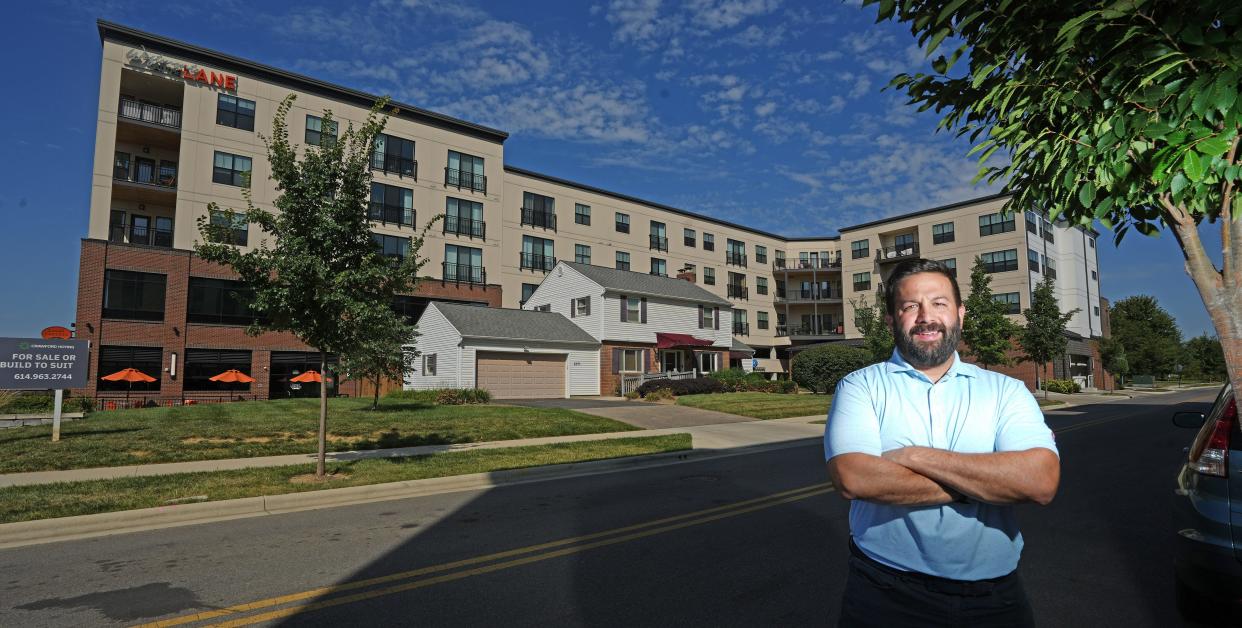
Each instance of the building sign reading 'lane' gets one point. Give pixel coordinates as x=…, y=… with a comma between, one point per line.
x=38, y=364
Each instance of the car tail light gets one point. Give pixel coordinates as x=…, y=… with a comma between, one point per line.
x=1210, y=453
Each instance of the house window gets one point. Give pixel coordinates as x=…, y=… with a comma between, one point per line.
x=537, y=253
x=429, y=364
x=527, y=290
x=229, y=227
x=1094, y=276
x=231, y=169
x=991, y=224
x=463, y=264
x=317, y=134
x=623, y=260
x=582, y=214
x=1050, y=268
x=546, y=307
x=219, y=302
x=659, y=267
x=735, y=252
x=582, y=306
x=633, y=309
x=707, y=317
x=394, y=155
x=709, y=275
x=538, y=210
x=860, y=249
x=149, y=360
x=709, y=242
x=631, y=360
x=623, y=223
x=862, y=281
x=761, y=285
x=203, y=364
x=1000, y=261
x=1032, y=222
x=133, y=295
x=1010, y=299
x=1096, y=310
x=1032, y=260
x=762, y=319
x=1091, y=242
x=391, y=205
x=942, y=233
x=950, y=264
x=582, y=254
x=465, y=171
x=394, y=247
x=235, y=112
x=659, y=236
x=464, y=217
x=688, y=237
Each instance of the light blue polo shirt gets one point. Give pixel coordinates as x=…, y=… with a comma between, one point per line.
x=970, y=410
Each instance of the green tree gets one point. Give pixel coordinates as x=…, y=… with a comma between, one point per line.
x=820, y=369
x=1044, y=338
x=1204, y=357
x=1124, y=112
x=1148, y=332
x=317, y=274
x=382, y=356
x=1113, y=358
x=986, y=330
x=877, y=334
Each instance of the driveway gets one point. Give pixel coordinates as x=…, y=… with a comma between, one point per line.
x=649, y=416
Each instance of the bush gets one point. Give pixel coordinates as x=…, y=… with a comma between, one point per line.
x=460, y=396
x=29, y=404
x=820, y=369
x=1063, y=386
x=660, y=394
x=737, y=380
x=632, y=395
x=679, y=387
x=786, y=386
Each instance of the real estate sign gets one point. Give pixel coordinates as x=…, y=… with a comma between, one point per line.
x=38, y=364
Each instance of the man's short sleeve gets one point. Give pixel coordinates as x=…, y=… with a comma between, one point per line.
x=1020, y=425
x=853, y=426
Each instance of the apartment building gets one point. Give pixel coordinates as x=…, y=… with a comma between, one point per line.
x=178, y=128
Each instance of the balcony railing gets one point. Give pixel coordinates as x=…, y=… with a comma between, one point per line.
x=161, y=177
x=537, y=261
x=395, y=164
x=466, y=227
x=888, y=254
x=809, y=331
x=146, y=236
x=738, y=292
x=539, y=218
x=462, y=273
x=393, y=214
x=809, y=296
x=741, y=329
x=151, y=114
x=461, y=179
x=807, y=264
x=735, y=259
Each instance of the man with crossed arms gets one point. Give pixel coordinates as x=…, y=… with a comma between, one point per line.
x=934, y=452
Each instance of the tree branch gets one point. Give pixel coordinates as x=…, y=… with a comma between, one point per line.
x=1200, y=268
x=1228, y=230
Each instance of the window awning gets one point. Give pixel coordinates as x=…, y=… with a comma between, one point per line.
x=669, y=341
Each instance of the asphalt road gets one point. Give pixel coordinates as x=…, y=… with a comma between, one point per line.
x=749, y=540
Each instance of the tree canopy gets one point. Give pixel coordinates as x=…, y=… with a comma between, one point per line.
x=877, y=334
x=1044, y=338
x=1148, y=332
x=986, y=330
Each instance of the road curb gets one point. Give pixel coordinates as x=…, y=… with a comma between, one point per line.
x=41, y=531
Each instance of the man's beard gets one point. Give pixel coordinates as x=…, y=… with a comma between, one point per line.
x=927, y=355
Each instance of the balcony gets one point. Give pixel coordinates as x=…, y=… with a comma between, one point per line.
x=890, y=254
x=658, y=243
x=391, y=214
x=791, y=265
x=463, y=180
x=810, y=332
x=395, y=164
x=736, y=291
x=461, y=273
x=741, y=329
x=145, y=236
x=537, y=261
x=465, y=226
x=735, y=259
x=150, y=114
x=539, y=218
x=809, y=296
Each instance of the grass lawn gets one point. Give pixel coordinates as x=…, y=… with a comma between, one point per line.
x=1050, y=402
x=64, y=499
x=269, y=428
x=760, y=405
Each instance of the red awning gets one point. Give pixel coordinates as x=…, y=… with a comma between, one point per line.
x=668, y=341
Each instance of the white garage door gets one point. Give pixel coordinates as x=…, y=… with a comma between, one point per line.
x=521, y=375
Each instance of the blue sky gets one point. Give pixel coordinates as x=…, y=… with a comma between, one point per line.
x=769, y=113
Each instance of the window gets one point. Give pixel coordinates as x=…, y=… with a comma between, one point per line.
x=735, y=252
x=1091, y=242
x=231, y=169
x=633, y=310
x=950, y=264
x=392, y=205
x=631, y=360
x=463, y=264
x=203, y=364
x=1094, y=276
x=761, y=285
x=546, y=307
x=464, y=217
x=1096, y=310
x=1032, y=260
x=659, y=267
x=527, y=290
x=229, y=227
x=1000, y=261
x=465, y=171
x=860, y=249
x=133, y=295
x=537, y=253
x=862, y=282
x=394, y=155
x=1045, y=229
x=707, y=317
x=538, y=210
x=149, y=360
x=1010, y=299
x=582, y=214
x=317, y=134
x=991, y=224
x=709, y=242
x=688, y=237
x=582, y=254
x=942, y=233
x=623, y=223
x=740, y=326
x=737, y=286
x=1032, y=222
x=581, y=306
x=120, y=166
x=429, y=364
x=761, y=254
x=780, y=288
x=709, y=275
x=780, y=259
x=1050, y=267
x=235, y=112
x=659, y=236
x=219, y=302
x=394, y=247
x=623, y=260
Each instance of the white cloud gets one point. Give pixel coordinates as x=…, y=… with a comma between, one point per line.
x=714, y=15
x=584, y=112
x=861, y=87
x=638, y=22
x=765, y=109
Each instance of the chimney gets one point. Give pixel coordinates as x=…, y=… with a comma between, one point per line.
x=686, y=273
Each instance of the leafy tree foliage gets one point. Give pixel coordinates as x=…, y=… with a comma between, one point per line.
x=1044, y=338
x=1113, y=357
x=382, y=355
x=986, y=330
x=1204, y=357
x=1149, y=334
x=820, y=369
x=877, y=334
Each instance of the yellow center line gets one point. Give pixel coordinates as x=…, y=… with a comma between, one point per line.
x=422, y=571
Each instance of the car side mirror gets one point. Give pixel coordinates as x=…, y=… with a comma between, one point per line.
x=1189, y=419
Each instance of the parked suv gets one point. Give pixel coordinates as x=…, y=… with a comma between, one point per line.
x=1207, y=512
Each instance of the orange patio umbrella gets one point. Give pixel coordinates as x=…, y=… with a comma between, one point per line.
x=232, y=376
x=129, y=375
x=307, y=377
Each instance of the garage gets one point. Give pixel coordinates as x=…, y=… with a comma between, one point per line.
x=521, y=375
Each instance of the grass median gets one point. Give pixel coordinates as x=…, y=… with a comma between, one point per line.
x=65, y=499
x=760, y=405
x=250, y=429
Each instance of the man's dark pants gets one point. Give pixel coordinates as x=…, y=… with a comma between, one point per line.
x=878, y=595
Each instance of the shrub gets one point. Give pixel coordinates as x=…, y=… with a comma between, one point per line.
x=660, y=394
x=460, y=396
x=786, y=386
x=679, y=387
x=737, y=380
x=29, y=403
x=1063, y=386
x=820, y=369
x=427, y=396
x=632, y=395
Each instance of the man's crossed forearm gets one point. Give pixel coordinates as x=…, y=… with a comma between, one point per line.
x=923, y=476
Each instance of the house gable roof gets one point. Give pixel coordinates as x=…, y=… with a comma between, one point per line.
x=642, y=284
x=503, y=324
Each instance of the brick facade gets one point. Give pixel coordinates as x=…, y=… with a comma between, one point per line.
x=610, y=382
